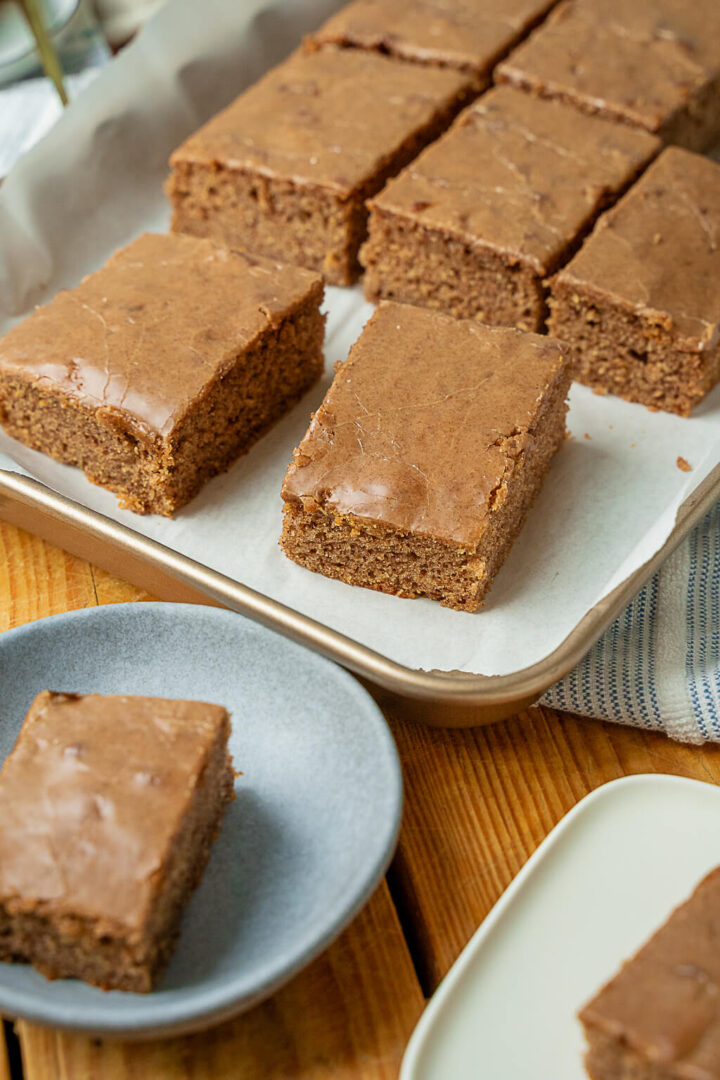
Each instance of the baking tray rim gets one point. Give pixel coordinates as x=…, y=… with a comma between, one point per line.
x=471, y=699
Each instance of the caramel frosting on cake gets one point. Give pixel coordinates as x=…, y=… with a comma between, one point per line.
x=657, y=253
x=330, y=118
x=433, y=459
x=468, y=34
x=639, y=59
x=144, y=336
x=86, y=815
x=519, y=175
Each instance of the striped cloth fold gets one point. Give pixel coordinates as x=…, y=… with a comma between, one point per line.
x=658, y=665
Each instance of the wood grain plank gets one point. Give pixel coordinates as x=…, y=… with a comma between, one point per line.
x=348, y=1016
x=4, y=1064
x=110, y=590
x=478, y=802
x=38, y=580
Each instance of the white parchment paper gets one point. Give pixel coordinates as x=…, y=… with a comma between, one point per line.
x=96, y=182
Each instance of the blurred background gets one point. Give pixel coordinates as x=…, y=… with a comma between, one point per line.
x=83, y=33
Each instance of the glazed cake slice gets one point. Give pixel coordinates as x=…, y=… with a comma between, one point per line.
x=659, y=1017
x=286, y=169
x=654, y=64
x=639, y=305
x=470, y=35
x=477, y=222
x=157, y=371
x=108, y=809
x=419, y=467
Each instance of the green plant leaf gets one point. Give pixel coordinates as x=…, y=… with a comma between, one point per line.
x=48, y=55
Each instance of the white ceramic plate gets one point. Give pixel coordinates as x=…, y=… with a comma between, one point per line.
x=604, y=879
x=306, y=841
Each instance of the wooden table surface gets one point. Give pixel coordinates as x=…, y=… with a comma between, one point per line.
x=478, y=802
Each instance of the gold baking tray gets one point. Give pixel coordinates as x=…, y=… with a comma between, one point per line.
x=446, y=698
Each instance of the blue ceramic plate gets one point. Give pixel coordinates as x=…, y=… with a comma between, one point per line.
x=306, y=841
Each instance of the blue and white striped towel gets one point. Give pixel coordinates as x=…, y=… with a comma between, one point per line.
x=658, y=665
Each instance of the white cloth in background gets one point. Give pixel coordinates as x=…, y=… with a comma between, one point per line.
x=120, y=19
x=28, y=110
x=30, y=107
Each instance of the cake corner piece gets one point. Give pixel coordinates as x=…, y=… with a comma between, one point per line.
x=646, y=64
x=639, y=304
x=419, y=467
x=158, y=370
x=467, y=37
x=280, y=171
x=129, y=825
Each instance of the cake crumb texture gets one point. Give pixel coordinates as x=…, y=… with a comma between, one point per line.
x=415, y=476
x=285, y=170
x=476, y=223
x=108, y=809
x=642, y=319
x=160, y=369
